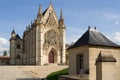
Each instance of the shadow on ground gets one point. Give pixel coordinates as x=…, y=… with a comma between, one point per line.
x=29, y=79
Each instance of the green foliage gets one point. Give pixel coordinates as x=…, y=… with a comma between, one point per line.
x=55, y=75
x=5, y=53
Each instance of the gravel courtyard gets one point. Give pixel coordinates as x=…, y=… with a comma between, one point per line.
x=27, y=72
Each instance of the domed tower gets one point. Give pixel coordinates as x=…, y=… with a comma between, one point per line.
x=15, y=49
x=12, y=47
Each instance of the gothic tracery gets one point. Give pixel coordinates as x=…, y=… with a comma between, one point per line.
x=51, y=38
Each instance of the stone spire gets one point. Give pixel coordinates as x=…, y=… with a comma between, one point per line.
x=51, y=4
x=40, y=9
x=61, y=14
x=13, y=33
x=39, y=16
x=61, y=20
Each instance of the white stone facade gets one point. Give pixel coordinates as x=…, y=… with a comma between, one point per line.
x=43, y=41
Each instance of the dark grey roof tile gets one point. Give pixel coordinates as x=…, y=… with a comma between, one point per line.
x=93, y=37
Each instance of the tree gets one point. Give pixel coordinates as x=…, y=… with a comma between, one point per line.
x=5, y=53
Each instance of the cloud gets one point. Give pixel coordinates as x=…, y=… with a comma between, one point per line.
x=4, y=43
x=112, y=16
x=117, y=22
x=116, y=37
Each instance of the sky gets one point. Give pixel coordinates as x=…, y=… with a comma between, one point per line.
x=78, y=15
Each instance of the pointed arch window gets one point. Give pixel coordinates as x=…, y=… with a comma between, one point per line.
x=18, y=56
x=18, y=45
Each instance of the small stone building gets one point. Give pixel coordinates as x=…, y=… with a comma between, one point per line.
x=94, y=57
x=4, y=60
x=43, y=40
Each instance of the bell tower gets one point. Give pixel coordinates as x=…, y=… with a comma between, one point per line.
x=12, y=47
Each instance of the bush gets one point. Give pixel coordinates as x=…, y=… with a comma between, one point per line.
x=55, y=75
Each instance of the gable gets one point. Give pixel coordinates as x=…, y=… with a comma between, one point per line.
x=50, y=15
x=51, y=21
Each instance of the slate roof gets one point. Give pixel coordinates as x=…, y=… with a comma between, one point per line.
x=18, y=37
x=13, y=32
x=93, y=37
x=45, y=12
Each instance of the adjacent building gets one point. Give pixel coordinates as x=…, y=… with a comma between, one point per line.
x=93, y=57
x=43, y=41
x=4, y=60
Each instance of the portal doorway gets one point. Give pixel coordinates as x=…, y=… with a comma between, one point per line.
x=51, y=57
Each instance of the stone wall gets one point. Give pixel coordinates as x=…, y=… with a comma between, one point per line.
x=90, y=54
x=94, y=51
x=74, y=77
x=73, y=59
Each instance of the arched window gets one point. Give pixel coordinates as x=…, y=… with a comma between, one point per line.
x=18, y=45
x=18, y=56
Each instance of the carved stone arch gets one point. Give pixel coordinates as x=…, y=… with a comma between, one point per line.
x=54, y=29
x=52, y=55
x=52, y=48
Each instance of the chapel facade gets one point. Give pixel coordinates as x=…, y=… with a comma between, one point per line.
x=43, y=41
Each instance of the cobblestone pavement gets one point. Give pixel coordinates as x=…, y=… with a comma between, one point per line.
x=27, y=72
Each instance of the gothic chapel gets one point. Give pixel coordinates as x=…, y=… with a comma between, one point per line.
x=43, y=41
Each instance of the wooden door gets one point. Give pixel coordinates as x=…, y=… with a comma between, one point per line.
x=51, y=57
